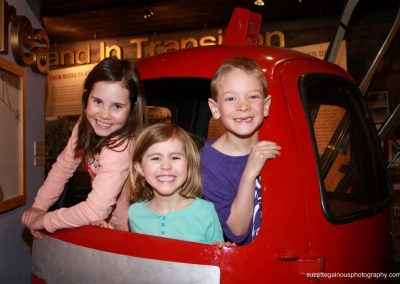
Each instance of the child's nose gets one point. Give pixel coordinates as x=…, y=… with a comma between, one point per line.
x=243, y=105
x=105, y=112
x=165, y=164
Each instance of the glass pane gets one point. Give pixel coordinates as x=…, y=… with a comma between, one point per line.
x=352, y=174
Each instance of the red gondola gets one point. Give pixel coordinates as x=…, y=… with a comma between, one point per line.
x=325, y=199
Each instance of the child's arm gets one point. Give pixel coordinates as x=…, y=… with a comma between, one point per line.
x=119, y=217
x=106, y=188
x=33, y=219
x=53, y=186
x=61, y=171
x=242, y=207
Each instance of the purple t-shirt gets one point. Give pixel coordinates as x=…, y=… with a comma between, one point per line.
x=221, y=177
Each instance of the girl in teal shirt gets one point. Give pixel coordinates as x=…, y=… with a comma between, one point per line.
x=166, y=188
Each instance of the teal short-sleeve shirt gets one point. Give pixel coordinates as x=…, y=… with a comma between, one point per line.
x=197, y=222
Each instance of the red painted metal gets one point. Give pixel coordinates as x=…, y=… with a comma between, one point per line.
x=295, y=237
x=37, y=280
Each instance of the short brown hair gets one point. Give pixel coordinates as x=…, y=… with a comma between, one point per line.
x=245, y=64
x=156, y=133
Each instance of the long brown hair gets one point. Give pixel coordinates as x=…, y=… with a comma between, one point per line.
x=156, y=133
x=112, y=69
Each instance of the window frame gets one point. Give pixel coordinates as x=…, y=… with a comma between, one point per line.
x=359, y=107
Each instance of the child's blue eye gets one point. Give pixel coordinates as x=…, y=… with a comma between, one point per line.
x=253, y=97
x=154, y=159
x=176, y=158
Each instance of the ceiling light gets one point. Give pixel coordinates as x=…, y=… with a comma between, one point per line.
x=259, y=2
x=148, y=12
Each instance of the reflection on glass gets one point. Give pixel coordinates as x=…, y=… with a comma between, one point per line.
x=351, y=169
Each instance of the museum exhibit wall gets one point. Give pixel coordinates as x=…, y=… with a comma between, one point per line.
x=15, y=243
x=15, y=247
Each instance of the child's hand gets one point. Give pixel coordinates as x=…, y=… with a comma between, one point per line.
x=32, y=218
x=30, y=215
x=224, y=244
x=259, y=154
x=37, y=225
x=101, y=223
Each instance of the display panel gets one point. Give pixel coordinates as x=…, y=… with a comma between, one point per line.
x=12, y=142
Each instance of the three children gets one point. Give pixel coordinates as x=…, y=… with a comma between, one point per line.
x=165, y=170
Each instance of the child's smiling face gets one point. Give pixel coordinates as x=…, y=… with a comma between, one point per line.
x=165, y=167
x=241, y=104
x=108, y=107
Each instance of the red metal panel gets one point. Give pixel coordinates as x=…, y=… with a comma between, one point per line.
x=243, y=28
x=37, y=280
x=360, y=246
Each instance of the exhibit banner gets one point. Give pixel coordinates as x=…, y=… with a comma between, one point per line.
x=64, y=90
x=65, y=85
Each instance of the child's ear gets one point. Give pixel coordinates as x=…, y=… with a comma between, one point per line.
x=214, y=108
x=138, y=168
x=267, y=103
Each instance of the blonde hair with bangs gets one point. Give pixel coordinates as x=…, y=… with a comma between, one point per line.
x=161, y=132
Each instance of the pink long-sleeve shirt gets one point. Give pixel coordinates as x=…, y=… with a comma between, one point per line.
x=110, y=186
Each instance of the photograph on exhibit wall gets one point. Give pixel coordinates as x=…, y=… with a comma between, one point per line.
x=12, y=145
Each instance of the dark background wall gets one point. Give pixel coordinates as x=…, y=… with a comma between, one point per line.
x=15, y=250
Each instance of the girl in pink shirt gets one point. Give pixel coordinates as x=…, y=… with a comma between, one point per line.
x=103, y=140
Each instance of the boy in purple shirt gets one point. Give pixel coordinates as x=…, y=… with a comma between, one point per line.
x=231, y=165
